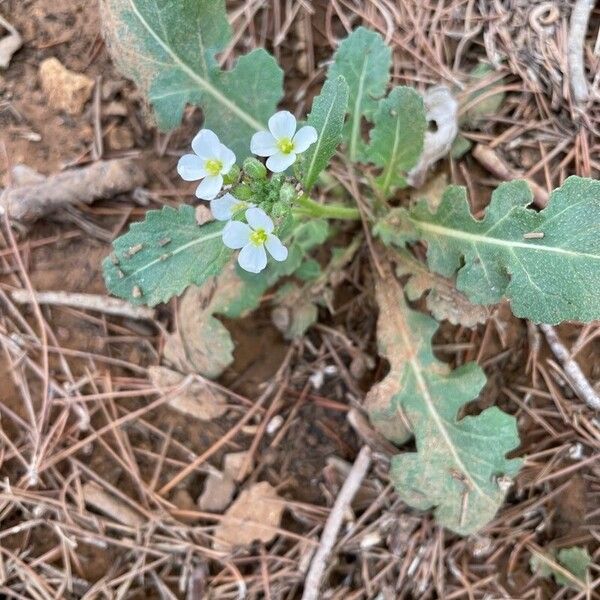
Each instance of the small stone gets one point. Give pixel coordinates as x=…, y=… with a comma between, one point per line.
x=65, y=90
x=218, y=493
x=233, y=463
x=120, y=138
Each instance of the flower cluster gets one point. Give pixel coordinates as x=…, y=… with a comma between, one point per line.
x=212, y=162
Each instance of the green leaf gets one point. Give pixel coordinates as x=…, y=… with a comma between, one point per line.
x=481, y=102
x=364, y=61
x=546, y=263
x=162, y=255
x=569, y=567
x=460, y=467
x=397, y=137
x=327, y=117
x=168, y=48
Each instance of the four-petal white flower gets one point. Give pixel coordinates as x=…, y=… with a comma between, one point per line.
x=281, y=143
x=227, y=206
x=210, y=162
x=253, y=238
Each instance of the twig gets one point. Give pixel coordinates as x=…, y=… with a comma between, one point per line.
x=103, y=304
x=103, y=179
x=495, y=165
x=578, y=380
x=580, y=16
x=312, y=583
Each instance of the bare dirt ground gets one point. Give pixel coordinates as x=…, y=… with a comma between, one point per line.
x=78, y=412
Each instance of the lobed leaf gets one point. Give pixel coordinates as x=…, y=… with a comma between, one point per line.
x=364, y=60
x=397, y=138
x=546, y=263
x=327, y=117
x=168, y=48
x=162, y=255
x=460, y=465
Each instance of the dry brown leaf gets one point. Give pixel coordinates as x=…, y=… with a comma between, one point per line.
x=443, y=300
x=218, y=492
x=196, y=399
x=253, y=516
x=64, y=89
x=201, y=344
x=105, y=502
x=233, y=463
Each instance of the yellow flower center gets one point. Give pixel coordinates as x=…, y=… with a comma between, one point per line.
x=285, y=145
x=239, y=207
x=258, y=237
x=213, y=167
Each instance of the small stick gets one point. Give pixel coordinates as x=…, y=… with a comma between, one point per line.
x=488, y=158
x=103, y=304
x=580, y=16
x=102, y=179
x=578, y=380
x=359, y=469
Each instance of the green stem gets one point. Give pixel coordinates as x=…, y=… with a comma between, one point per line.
x=308, y=207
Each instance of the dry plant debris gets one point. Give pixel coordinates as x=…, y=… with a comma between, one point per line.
x=102, y=179
x=254, y=516
x=9, y=44
x=196, y=399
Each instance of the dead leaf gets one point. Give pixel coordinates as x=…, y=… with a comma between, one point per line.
x=66, y=90
x=444, y=301
x=218, y=492
x=196, y=399
x=253, y=516
x=233, y=464
x=442, y=109
x=202, y=344
x=9, y=44
x=105, y=502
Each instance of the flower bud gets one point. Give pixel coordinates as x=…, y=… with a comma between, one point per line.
x=254, y=168
x=280, y=211
x=243, y=192
x=287, y=194
x=233, y=175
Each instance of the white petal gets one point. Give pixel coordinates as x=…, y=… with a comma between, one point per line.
x=191, y=168
x=305, y=137
x=276, y=249
x=253, y=258
x=282, y=125
x=263, y=144
x=258, y=219
x=227, y=158
x=222, y=208
x=206, y=144
x=209, y=187
x=280, y=162
x=236, y=235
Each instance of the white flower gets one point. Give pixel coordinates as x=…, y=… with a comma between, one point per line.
x=252, y=239
x=281, y=143
x=210, y=162
x=227, y=206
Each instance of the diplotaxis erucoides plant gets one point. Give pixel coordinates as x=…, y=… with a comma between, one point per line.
x=266, y=222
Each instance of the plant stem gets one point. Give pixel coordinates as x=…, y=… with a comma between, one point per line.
x=310, y=208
